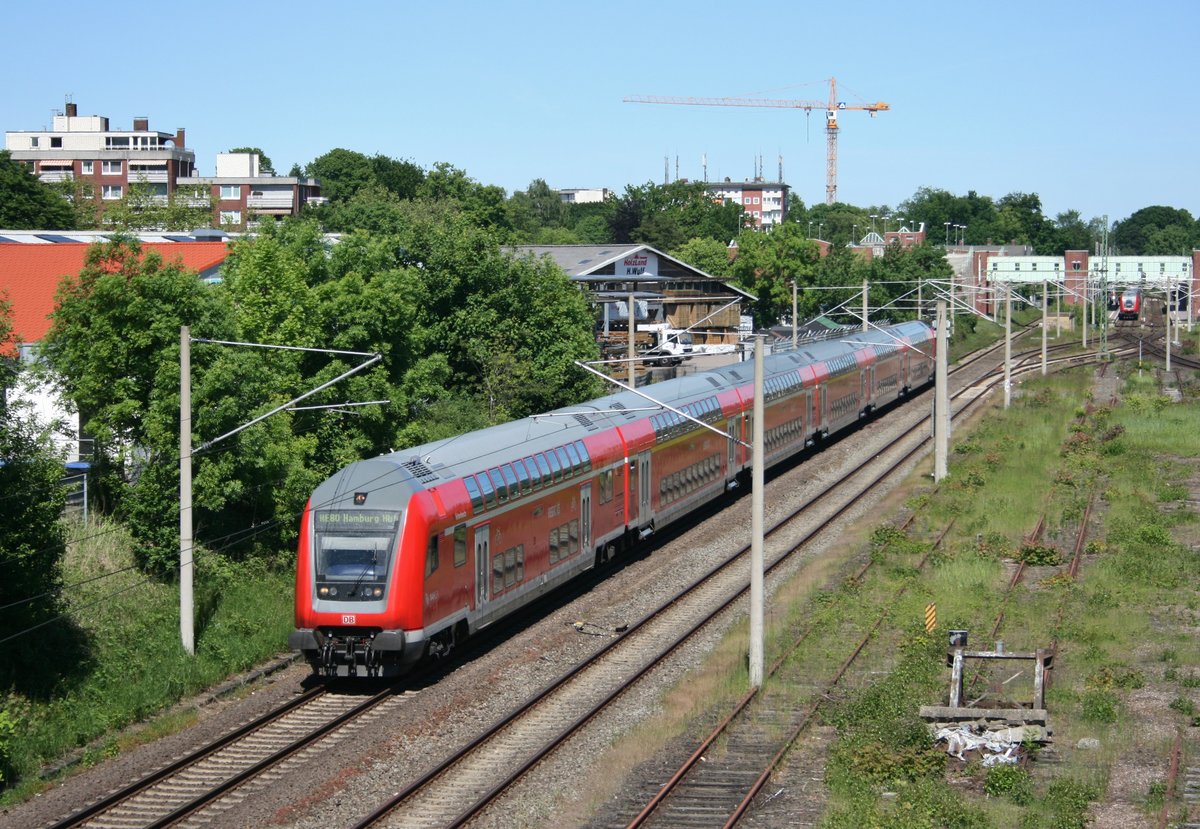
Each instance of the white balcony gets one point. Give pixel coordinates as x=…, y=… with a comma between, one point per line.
x=282, y=201
x=56, y=175
x=148, y=176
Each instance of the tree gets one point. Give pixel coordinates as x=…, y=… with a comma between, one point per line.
x=768, y=263
x=264, y=162
x=401, y=178
x=113, y=346
x=342, y=173
x=708, y=255
x=32, y=537
x=28, y=203
x=145, y=208
x=1132, y=236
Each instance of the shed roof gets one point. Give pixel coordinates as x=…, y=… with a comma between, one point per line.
x=30, y=275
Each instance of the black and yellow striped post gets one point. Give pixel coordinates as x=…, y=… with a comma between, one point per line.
x=930, y=617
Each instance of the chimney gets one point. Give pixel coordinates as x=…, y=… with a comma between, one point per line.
x=72, y=110
x=141, y=124
x=179, y=139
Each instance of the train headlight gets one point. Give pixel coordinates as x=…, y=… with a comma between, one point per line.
x=377, y=592
x=323, y=591
x=332, y=591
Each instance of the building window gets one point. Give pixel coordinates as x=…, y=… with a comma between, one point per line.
x=56, y=142
x=231, y=191
x=85, y=168
x=33, y=142
x=231, y=217
x=110, y=168
x=111, y=192
x=1075, y=265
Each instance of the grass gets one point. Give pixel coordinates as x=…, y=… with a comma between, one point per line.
x=128, y=663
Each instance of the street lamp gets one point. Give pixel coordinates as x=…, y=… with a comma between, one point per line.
x=874, y=216
x=820, y=229
x=964, y=238
x=947, y=224
x=810, y=224
x=854, y=233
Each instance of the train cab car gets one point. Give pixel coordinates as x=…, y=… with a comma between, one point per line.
x=1130, y=306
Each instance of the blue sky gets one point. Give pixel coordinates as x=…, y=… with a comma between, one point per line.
x=1090, y=105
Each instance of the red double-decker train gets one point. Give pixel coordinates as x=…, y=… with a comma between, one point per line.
x=404, y=555
x=1129, y=307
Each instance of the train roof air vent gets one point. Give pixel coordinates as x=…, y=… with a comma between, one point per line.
x=585, y=422
x=628, y=415
x=716, y=384
x=419, y=470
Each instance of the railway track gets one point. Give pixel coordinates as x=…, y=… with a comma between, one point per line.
x=199, y=780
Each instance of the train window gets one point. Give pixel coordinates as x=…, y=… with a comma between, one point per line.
x=497, y=573
x=475, y=493
x=510, y=478
x=543, y=468
x=522, y=476
x=574, y=534
x=510, y=566
x=460, y=545
x=498, y=483
x=573, y=456
x=520, y=562
x=606, y=486
x=564, y=460
x=535, y=477
x=489, y=491
x=554, y=545
x=583, y=455
x=431, y=555
x=555, y=465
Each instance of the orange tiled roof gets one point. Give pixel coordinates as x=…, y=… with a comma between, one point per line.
x=30, y=274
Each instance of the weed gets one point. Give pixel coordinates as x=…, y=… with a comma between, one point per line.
x=1183, y=705
x=1099, y=705
x=1039, y=555
x=1009, y=780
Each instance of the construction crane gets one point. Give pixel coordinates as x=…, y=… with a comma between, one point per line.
x=831, y=119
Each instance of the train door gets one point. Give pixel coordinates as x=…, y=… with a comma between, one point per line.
x=585, y=517
x=868, y=386
x=483, y=565
x=822, y=423
x=731, y=428
x=643, y=462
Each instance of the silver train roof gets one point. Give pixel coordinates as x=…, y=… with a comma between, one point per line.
x=472, y=452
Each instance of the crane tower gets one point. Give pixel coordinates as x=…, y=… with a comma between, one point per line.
x=832, y=108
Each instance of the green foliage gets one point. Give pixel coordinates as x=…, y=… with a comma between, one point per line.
x=1099, y=705
x=708, y=255
x=1009, y=780
x=768, y=263
x=1039, y=555
x=28, y=203
x=1183, y=705
x=143, y=207
x=8, y=730
x=1156, y=230
x=1067, y=801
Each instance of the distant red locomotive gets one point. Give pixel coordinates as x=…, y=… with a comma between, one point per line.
x=1130, y=304
x=406, y=554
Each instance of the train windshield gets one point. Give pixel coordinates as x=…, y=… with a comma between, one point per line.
x=355, y=545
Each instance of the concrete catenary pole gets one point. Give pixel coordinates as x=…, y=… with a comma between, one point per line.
x=186, y=621
x=1167, y=318
x=1045, y=320
x=1007, y=343
x=795, y=337
x=865, y=306
x=941, y=398
x=631, y=339
x=756, y=523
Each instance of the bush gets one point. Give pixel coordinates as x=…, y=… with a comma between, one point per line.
x=1009, y=780
x=8, y=728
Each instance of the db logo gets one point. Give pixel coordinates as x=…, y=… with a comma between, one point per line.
x=349, y=620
